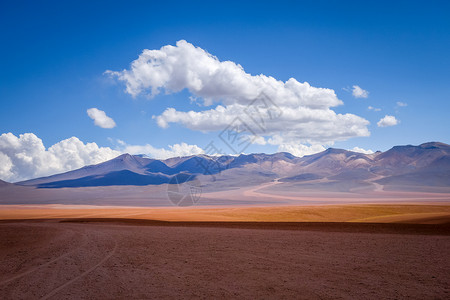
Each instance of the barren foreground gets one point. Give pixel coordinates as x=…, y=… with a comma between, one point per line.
x=144, y=259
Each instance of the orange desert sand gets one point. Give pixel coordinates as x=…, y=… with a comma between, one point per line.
x=373, y=213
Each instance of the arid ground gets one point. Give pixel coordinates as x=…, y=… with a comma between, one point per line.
x=63, y=252
x=414, y=213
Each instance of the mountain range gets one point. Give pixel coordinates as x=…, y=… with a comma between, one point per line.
x=426, y=165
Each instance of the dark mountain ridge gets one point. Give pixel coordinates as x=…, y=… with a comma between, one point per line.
x=426, y=164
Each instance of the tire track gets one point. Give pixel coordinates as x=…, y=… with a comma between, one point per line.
x=61, y=287
x=29, y=271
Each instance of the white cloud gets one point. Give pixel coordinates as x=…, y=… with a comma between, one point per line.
x=301, y=150
x=174, y=68
x=100, y=118
x=401, y=104
x=374, y=108
x=175, y=150
x=296, y=124
x=361, y=150
x=260, y=140
x=306, y=114
x=358, y=92
x=387, y=121
x=26, y=157
x=5, y=167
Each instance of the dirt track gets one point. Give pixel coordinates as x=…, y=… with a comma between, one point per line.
x=113, y=260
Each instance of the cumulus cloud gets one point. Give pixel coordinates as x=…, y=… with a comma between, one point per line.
x=361, y=150
x=100, y=118
x=374, y=108
x=304, y=112
x=26, y=157
x=296, y=124
x=175, y=150
x=301, y=150
x=259, y=140
x=6, y=167
x=387, y=121
x=401, y=104
x=174, y=68
x=358, y=92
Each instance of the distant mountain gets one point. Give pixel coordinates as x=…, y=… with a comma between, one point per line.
x=436, y=173
x=123, y=162
x=4, y=183
x=424, y=165
x=401, y=159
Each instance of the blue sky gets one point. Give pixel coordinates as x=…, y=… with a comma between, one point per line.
x=54, y=55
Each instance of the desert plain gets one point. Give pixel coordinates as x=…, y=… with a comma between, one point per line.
x=330, y=251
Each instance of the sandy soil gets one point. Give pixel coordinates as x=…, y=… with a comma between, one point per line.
x=436, y=213
x=50, y=259
x=362, y=251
